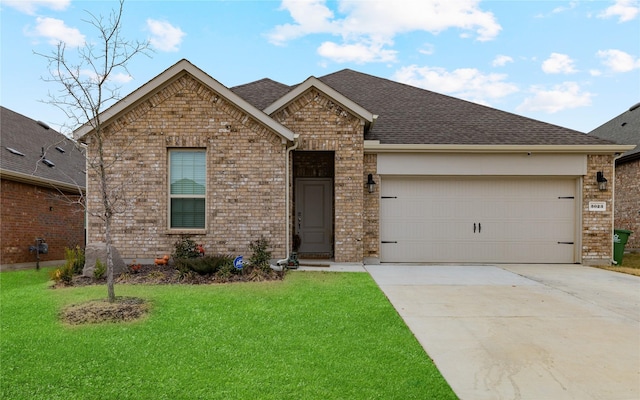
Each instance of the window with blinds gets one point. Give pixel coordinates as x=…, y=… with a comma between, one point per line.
x=188, y=184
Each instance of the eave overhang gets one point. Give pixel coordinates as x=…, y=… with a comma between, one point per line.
x=374, y=146
x=168, y=76
x=38, y=181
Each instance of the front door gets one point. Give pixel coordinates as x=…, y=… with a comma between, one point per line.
x=314, y=214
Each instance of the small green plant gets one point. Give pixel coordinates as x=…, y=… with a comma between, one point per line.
x=204, y=265
x=99, y=270
x=63, y=274
x=261, y=256
x=186, y=248
x=78, y=259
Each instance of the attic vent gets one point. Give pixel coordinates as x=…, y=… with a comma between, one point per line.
x=44, y=125
x=60, y=149
x=48, y=163
x=14, y=151
x=633, y=107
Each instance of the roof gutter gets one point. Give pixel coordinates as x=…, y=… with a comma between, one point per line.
x=374, y=146
x=44, y=182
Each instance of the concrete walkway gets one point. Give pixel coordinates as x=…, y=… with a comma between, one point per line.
x=523, y=331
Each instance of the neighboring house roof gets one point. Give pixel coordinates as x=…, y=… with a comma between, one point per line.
x=623, y=129
x=176, y=70
x=34, y=153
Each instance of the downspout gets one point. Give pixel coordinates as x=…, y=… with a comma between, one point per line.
x=287, y=202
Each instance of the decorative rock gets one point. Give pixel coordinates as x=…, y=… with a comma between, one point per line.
x=98, y=251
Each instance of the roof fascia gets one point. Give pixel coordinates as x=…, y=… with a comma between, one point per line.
x=167, y=76
x=312, y=81
x=374, y=146
x=37, y=181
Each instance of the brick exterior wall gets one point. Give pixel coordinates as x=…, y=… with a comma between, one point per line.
x=627, y=203
x=371, y=209
x=28, y=212
x=325, y=126
x=245, y=174
x=597, y=232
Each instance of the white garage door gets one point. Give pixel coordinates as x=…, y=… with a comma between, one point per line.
x=514, y=220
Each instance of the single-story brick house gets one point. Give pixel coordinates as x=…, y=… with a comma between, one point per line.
x=42, y=180
x=625, y=129
x=451, y=181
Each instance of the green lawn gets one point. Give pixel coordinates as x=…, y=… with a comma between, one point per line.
x=311, y=336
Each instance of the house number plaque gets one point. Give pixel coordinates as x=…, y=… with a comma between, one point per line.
x=597, y=206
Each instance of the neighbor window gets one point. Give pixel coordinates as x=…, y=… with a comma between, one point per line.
x=188, y=184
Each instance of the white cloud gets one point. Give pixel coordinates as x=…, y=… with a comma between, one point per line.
x=467, y=83
x=427, y=49
x=56, y=31
x=561, y=97
x=625, y=10
x=359, y=53
x=113, y=77
x=31, y=6
x=164, y=36
x=618, y=61
x=561, y=9
x=501, y=60
x=558, y=64
x=373, y=23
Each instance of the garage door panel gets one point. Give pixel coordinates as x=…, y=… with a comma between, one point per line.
x=517, y=220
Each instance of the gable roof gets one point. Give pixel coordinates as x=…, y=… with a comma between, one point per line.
x=410, y=115
x=184, y=66
x=623, y=129
x=336, y=96
x=26, y=143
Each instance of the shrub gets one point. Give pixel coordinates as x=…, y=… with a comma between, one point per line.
x=99, y=270
x=204, y=265
x=261, y=256
x=62, y=274
x=185, y=248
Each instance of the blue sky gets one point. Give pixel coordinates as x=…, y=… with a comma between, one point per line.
x=571, y=63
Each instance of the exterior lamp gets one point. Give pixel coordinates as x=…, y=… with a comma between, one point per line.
x=371, y=183
x=602, y=181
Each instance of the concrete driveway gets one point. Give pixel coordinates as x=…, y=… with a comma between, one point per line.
x=523, y=331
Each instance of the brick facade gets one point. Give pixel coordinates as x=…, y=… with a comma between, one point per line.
x=325, y=126
x=371, y=209
x=597, y=232
x=627, y=205
x=245, y=174
x=47, y=214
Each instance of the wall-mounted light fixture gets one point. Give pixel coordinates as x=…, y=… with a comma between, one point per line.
x=371, y=183
x=602, y=181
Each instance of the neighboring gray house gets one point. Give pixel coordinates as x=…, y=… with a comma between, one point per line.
x=625, y=129
x=42, y=178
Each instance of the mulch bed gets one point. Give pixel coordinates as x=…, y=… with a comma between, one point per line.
x=126, y=309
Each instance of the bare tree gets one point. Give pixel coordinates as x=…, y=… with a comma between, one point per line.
x=88, y=88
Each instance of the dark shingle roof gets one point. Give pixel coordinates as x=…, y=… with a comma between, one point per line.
x=262, y=93
x=623, y=129
x=409, y=115
x=29, y=137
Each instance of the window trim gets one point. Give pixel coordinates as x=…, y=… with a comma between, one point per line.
x=182, y=230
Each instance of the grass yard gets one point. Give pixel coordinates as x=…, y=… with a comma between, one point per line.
x=311, y=336
x=630, y=264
